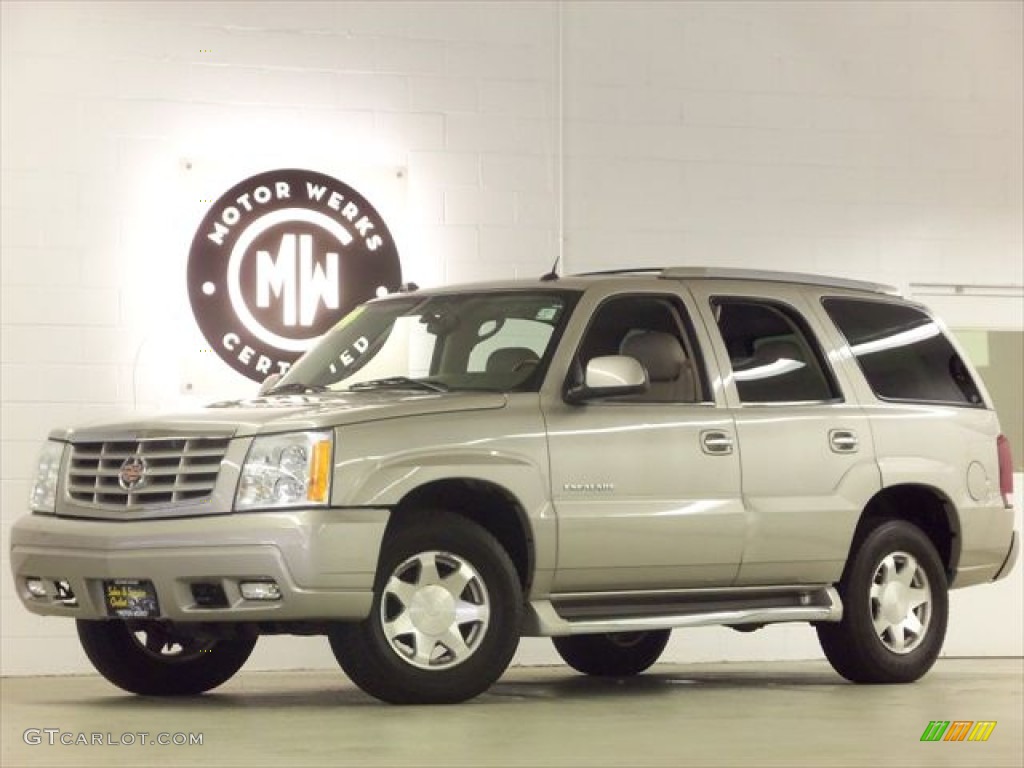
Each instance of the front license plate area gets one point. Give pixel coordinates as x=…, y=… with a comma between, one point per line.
x=131, y=599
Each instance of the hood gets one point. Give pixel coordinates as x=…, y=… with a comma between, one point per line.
x=288, y=413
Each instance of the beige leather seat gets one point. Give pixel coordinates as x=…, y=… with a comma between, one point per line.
x=512, y=360
x=669, y=371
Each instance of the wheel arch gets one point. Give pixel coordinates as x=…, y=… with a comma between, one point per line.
x=925, y=506
x=491, y=506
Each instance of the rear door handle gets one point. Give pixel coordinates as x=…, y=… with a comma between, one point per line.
x=715, y=443
x=843, y=441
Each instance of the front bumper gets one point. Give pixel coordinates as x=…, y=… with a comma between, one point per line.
x=323, y=561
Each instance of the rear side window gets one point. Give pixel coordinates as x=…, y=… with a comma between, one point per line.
x=903, y=352
x=774, y=356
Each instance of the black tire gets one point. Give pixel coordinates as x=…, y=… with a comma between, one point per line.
x=618, y=654
x=152, y=660
x=441, y=578
x=887, y=635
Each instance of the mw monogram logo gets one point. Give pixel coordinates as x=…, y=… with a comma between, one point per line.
x=297, y=280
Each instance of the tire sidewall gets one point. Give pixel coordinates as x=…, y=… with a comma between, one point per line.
x=117, y=656
x=621, y=654
x=493, y=653
x=885, y=539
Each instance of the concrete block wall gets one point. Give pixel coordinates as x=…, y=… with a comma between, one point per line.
x=877, y=140
x=880, y=141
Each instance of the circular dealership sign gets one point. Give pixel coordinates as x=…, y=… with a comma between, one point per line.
x=278, y=260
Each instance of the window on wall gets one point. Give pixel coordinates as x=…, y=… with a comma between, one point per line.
x=516, y=337
x=998, y=357
x=774, y=357
x=903, y=353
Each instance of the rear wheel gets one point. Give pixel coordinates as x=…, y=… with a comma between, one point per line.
x=155, y=659
x=619, y=654
x=895, y=608
x=445, y=617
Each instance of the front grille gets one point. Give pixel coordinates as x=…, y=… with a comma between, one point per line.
x=177, y=470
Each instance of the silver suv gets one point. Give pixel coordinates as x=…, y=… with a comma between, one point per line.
x=598, y=459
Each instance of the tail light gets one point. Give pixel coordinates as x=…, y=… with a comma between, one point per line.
x=1005, y=469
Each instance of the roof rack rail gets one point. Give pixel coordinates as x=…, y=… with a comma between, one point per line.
x=624, y=271
x=735, y=273
x=803, y=278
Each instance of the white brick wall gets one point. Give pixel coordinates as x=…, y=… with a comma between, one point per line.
x=877, y=140
x=851, y=139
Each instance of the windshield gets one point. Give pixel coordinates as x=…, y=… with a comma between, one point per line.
x=498, y=342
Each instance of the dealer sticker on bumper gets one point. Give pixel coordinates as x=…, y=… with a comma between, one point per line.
x=131, y=599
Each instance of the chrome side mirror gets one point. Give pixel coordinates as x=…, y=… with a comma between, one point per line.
x=609, y=376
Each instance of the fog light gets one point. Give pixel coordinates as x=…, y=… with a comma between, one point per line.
x=260, y=590
x=36, y=587
x=209, y=595
x=64, y=593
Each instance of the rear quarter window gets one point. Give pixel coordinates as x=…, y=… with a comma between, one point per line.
x=903, y=352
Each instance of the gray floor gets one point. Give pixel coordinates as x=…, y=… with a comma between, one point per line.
x=778, y=714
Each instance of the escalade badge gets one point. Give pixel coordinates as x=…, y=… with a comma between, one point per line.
x=590, y=487
x=132, y=474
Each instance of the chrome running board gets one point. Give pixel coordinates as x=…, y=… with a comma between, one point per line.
x=583, y=614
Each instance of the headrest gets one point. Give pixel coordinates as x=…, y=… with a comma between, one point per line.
x=511, y=359
x=660, y=353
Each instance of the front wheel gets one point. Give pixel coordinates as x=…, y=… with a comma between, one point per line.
x=895, y=608
x=154, y=659
x=445, y=617
x=618, y=654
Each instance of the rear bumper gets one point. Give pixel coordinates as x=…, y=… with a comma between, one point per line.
x=1011, y=557
x=323, y=561
x=988, y=543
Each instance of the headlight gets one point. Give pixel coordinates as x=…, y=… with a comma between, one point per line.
x=291, y=470
x=44, y=490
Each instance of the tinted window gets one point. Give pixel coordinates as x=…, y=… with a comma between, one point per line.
x=774, y=358
x=903, y=353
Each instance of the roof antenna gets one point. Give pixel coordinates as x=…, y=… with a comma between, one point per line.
x=553, y=274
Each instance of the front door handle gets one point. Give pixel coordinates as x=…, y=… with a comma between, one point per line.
x=843, y=441
x=715, y=443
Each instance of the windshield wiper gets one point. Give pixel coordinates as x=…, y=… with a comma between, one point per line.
x=400, y=382
x=297, y=388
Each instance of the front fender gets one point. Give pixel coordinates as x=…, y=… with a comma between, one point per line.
x=379, y=464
